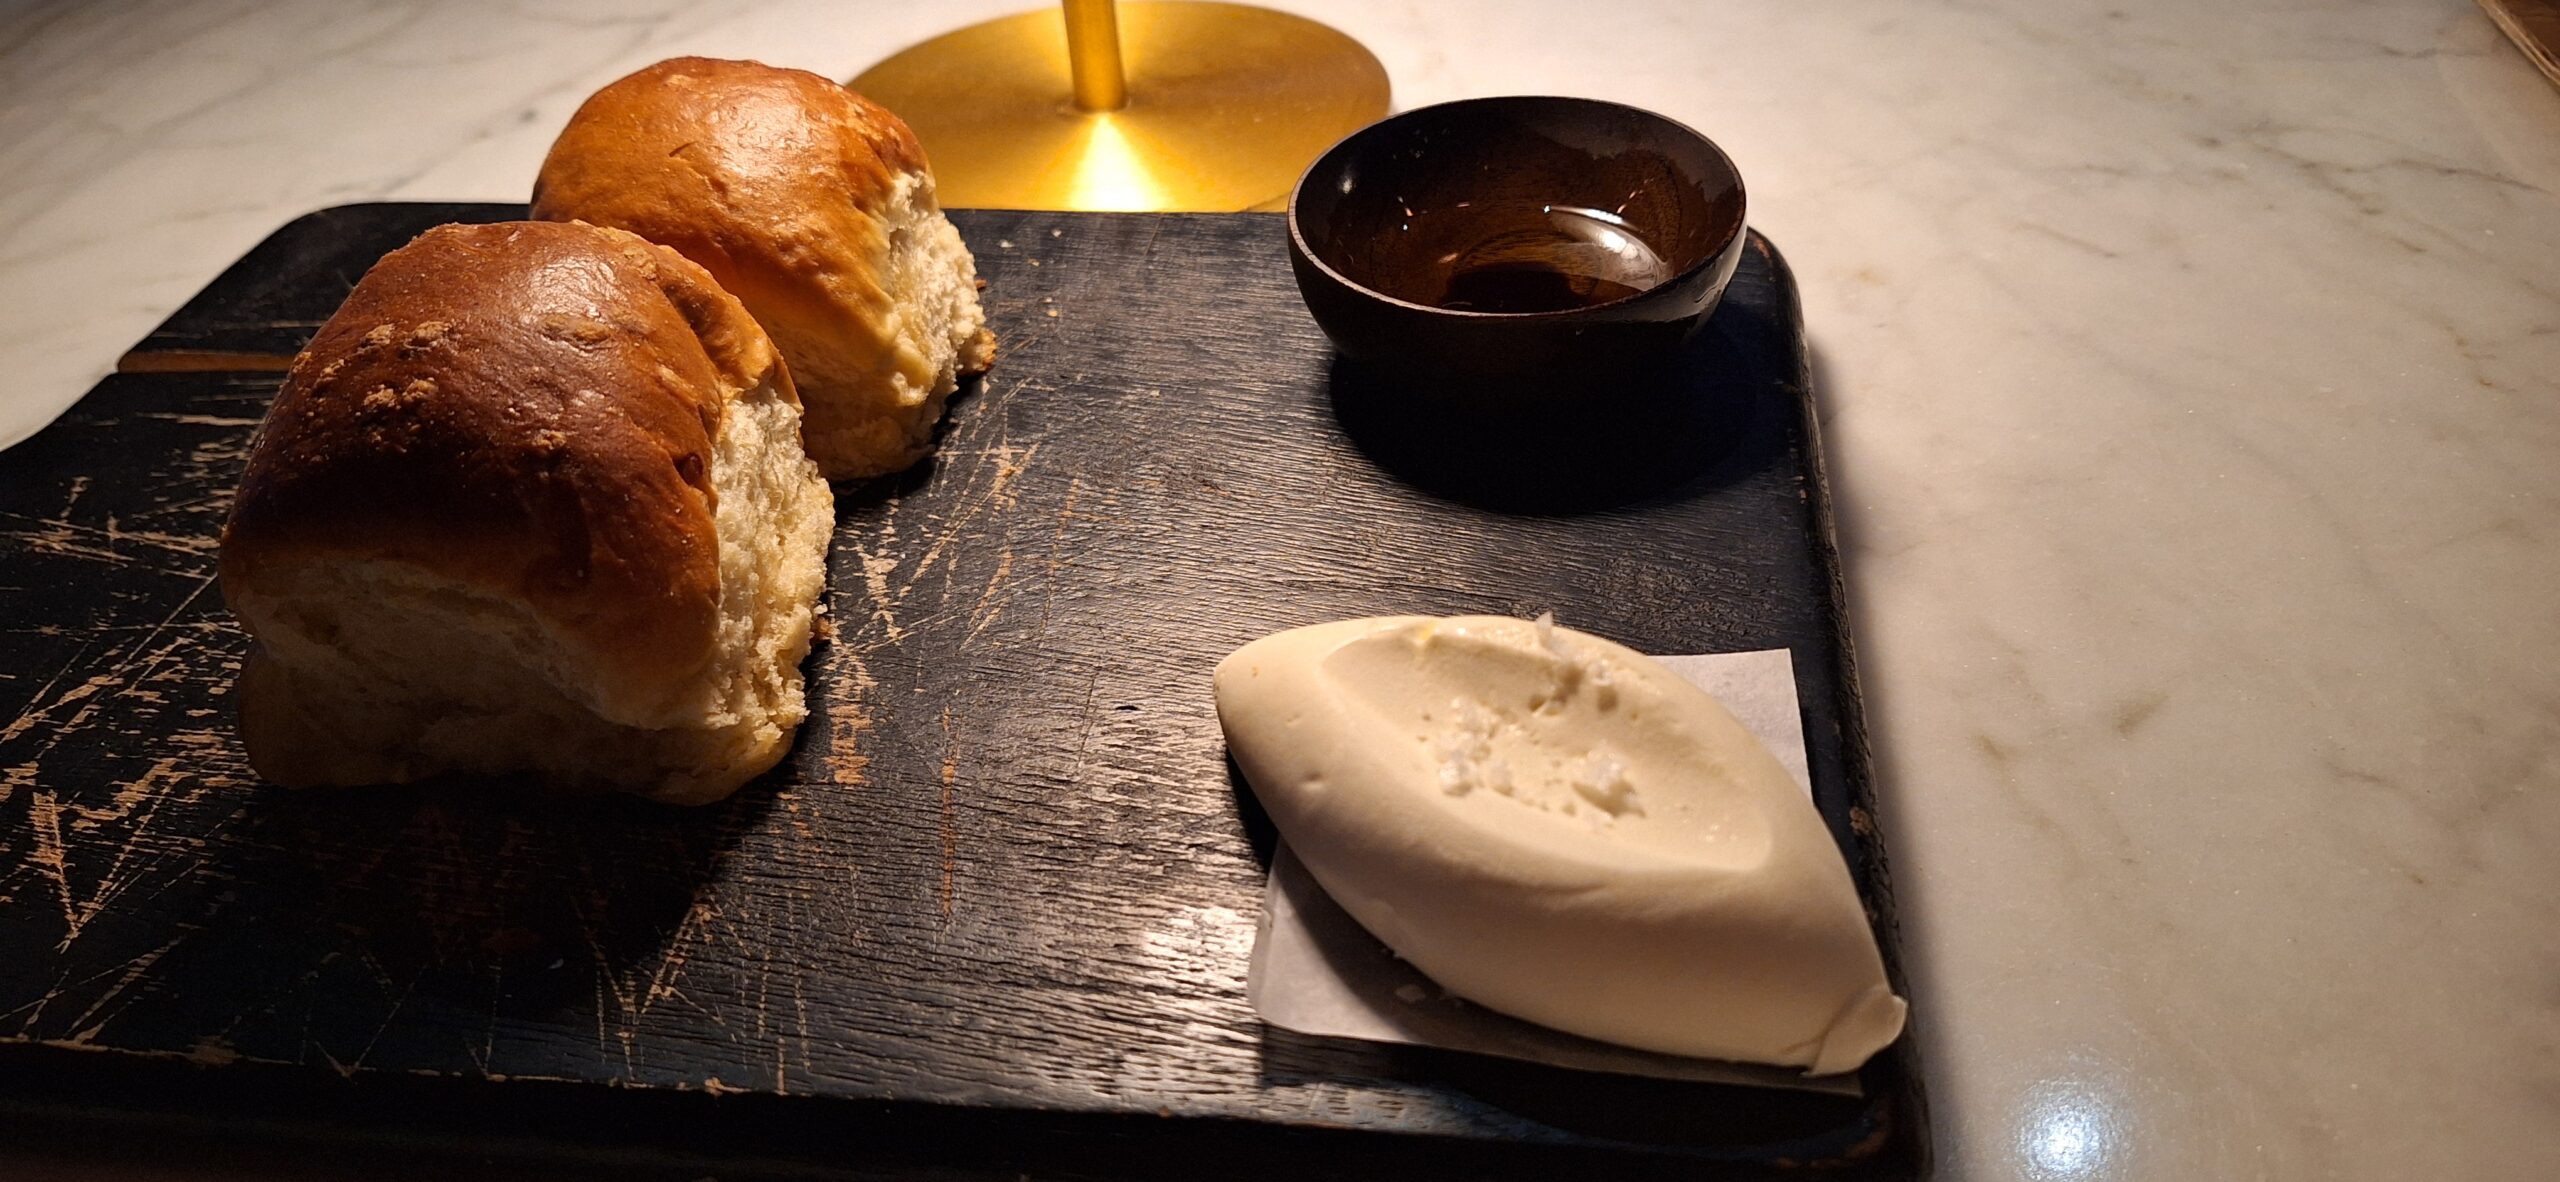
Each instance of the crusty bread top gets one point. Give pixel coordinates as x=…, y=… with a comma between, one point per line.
x=527, y=407
x=759, y=139
x=785, y=185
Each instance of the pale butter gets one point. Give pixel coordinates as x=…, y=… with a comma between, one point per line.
x=1560, y=829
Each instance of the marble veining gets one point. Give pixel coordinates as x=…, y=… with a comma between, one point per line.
x=2189, y=378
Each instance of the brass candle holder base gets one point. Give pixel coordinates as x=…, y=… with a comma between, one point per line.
x=1224, y=105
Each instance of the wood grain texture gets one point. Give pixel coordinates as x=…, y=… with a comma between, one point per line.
x=993, y=914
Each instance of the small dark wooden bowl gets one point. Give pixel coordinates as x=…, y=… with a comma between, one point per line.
x=1457, y=204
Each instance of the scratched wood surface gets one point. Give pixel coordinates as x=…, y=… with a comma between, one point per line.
x=992, y=916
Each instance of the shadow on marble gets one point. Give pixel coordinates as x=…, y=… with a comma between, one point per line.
x=1918, y=969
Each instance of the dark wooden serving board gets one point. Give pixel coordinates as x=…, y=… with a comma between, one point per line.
x=992, y=917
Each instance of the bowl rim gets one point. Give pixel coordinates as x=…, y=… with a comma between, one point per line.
x=1298, y=236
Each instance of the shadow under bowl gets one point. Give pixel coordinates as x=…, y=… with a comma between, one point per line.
x=1517, y=250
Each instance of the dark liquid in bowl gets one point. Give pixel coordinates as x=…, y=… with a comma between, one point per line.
x=1549, y=258
x=1528, y=287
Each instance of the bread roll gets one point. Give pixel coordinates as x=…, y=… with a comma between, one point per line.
x=534, y=500
x=812, y=205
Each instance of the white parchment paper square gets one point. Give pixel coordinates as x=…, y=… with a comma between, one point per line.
x=1316, y=971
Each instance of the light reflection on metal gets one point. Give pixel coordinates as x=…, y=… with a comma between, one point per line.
x=1110, y=175
x=1225, y=104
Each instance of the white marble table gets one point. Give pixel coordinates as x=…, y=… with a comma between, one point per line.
x=2193, y=381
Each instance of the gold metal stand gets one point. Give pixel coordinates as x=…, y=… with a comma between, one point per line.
x=1149, y=105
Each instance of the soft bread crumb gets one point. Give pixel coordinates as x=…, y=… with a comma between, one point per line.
x=874, y=414
x=382, y=672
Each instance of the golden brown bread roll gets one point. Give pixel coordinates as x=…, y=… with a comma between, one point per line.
x=534, y=500
x=814, y=206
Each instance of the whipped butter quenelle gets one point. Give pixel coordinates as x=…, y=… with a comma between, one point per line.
x=1558, y=828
